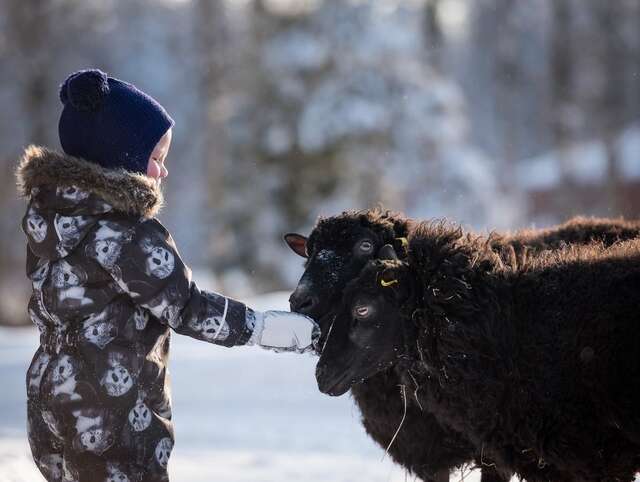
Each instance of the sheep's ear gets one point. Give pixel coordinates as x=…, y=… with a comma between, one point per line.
x=387, y=252
x=297, y=243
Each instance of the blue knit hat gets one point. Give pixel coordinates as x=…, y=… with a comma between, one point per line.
x=110, y=122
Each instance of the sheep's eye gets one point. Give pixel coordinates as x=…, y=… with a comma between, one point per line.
x=361, y=311
x=366, y=246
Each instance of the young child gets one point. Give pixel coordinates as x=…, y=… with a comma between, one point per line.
x=108, y=283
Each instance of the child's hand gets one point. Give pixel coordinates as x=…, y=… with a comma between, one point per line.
x=285, y=331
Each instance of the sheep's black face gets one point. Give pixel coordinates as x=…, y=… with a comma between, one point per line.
x=331, y=263
x=367, y=333
x=336, y=252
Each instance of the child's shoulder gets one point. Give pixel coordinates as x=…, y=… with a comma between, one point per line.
x=150, y=231
x=72, y=178
x=134, y=227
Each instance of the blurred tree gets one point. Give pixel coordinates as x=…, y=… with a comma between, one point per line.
x=29, y=30
x=434, y=37
x=212, y=163
x=345, y=110
x=566, y=116
x=609, y=104
x=287, y=109
x=591, y=97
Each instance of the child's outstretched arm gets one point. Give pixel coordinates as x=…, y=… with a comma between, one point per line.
x=145, y=263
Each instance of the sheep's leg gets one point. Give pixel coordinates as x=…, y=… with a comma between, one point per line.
x=442, y=475
x=490, y=474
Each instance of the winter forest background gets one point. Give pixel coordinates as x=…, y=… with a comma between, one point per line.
x=497, y=113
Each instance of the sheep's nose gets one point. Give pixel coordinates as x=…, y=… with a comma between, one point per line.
x=320, y=370
x=303, y=302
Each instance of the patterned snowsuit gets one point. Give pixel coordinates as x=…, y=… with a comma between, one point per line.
x=108, y=283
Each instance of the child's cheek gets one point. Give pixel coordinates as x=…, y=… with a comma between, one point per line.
x=153, y=169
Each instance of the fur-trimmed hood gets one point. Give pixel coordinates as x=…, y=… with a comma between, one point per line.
x=127, y=192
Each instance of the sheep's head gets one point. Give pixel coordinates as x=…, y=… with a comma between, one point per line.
x=336, y=251
x=367, y=332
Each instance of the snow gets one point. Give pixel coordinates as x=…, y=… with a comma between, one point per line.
x=588, y=163
x=345, y=111
x=296, y=50
x=241, y=414
x=344, y=107
x=629, y=149
x=582, y=162
x=538, y=173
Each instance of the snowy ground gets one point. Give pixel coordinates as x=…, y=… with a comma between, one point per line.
x=258, y=416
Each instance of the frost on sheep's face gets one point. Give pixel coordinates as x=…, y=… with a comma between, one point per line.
x=368, y=332
x=333, y=258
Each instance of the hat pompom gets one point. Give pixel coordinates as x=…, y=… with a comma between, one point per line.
x=85, y=90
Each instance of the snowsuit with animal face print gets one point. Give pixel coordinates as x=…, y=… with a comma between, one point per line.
x=108, y=283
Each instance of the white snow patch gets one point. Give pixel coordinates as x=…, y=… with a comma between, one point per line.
x=584, y=162
x=538, y=173
x=271, y=423
x=240, y=414
x=587, y=162
x=296, y=50
x=629, y=152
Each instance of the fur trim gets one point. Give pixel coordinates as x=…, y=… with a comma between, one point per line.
x=126, y=191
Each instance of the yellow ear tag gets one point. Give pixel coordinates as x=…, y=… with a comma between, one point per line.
x=404, y=242
x=388, y=283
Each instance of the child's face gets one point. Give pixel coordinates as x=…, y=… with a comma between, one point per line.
x=156, y=168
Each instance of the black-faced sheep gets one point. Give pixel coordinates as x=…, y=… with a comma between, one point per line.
x=339, y=246
x=336, y=251
x=535, y=361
